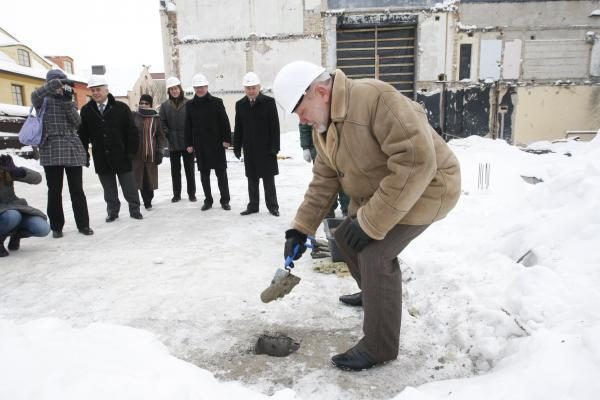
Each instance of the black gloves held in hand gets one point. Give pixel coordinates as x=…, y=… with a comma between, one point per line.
x=237, y=154
x=158, y=157
x=7, y=164
x=293, y=238
x=355, y=237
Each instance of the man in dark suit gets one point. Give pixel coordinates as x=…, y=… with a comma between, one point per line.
x=108, y=125
x=257, y=133
x=207, y=135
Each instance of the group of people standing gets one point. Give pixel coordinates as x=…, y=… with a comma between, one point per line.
x=128, y=147
x=200, y=127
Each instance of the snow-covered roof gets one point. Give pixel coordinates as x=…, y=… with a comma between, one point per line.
x=13, y=110
x=36, y=70
x=21, y=70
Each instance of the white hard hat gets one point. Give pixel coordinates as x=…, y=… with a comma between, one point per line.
x=292, y=81
x=250, y=79
x=199, y=80
x=172, y=81
x=97, y=80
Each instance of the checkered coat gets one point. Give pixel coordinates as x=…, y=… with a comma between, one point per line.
x=60, y=143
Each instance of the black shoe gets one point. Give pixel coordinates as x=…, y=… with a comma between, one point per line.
x=248, y=212
x=111, y=218
x=315, y=254
x=193, y=198
x=226, y=207
x=352, y=360
x=148, y=206
x=352, y=299
x=206, y=206
x=86, y=231
x=175, y=199
x=15, y=242
x=136, y=215
x=274, y=212
x=57, y=234
x=3, y=251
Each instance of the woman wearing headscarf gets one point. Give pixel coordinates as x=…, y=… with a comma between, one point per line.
x=150, y=150
x=17, y=219
x=61, y=151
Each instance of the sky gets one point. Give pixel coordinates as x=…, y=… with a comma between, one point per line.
x=121, y=34
x=500, y=298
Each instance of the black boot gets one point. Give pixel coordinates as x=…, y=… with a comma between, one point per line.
x=352, y=360
x=3, y=252
x=352, y=299
x=15, y=241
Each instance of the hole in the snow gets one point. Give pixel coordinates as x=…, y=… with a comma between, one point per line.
x=276, y=345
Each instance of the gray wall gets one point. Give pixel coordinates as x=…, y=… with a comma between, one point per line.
x=380, y=3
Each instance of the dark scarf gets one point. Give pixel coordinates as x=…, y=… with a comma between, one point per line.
x=148, y=133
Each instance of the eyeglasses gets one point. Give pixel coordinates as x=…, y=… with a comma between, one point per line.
x=144, y=103
x=300, y=100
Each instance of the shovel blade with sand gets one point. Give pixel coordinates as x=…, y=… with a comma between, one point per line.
x=283, y=281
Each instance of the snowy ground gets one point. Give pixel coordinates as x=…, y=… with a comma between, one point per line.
x=159, y=308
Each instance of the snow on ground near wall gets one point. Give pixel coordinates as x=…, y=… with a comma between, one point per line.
x=475, y=324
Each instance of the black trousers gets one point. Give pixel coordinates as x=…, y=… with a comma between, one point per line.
x=54, y=180
x=188, y=166
x=222, y=182
x=147, y=196
x=270, y=193
x=111, y=194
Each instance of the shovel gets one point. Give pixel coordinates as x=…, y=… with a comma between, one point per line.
x=283, y=281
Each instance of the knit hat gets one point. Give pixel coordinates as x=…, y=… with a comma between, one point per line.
x=55, y=74
x=147, y=98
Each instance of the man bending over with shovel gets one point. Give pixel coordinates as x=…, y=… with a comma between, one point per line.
x=376, y=145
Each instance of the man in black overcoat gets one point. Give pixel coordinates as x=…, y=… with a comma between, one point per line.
x=208, y=134
x=108, y=125
x=257, y=133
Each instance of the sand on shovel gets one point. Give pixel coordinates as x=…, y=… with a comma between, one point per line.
x=283, y=282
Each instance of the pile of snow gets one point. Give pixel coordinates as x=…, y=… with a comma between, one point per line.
x=533, y=326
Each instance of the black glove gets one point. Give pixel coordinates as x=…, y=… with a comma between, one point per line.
x=293, y=238
x=274, y=151
x=87, y=159
x=158, y=157
x=7, y=164
x=237, y=153
x=355, y=237
x=67, y=82
x=67, y=93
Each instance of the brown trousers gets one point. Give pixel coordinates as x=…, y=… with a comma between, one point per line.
x=377, y=273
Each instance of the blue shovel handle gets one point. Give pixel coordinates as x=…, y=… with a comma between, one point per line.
x=289, y=259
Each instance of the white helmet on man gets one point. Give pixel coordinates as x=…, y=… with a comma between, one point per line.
x=97, y=80
x=292, y=81
x=250, y=79
x=172, y=81
x=199, y=80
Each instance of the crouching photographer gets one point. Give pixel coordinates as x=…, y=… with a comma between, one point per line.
x=17, y=219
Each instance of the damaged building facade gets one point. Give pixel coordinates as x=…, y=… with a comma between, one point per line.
x=521, y=70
